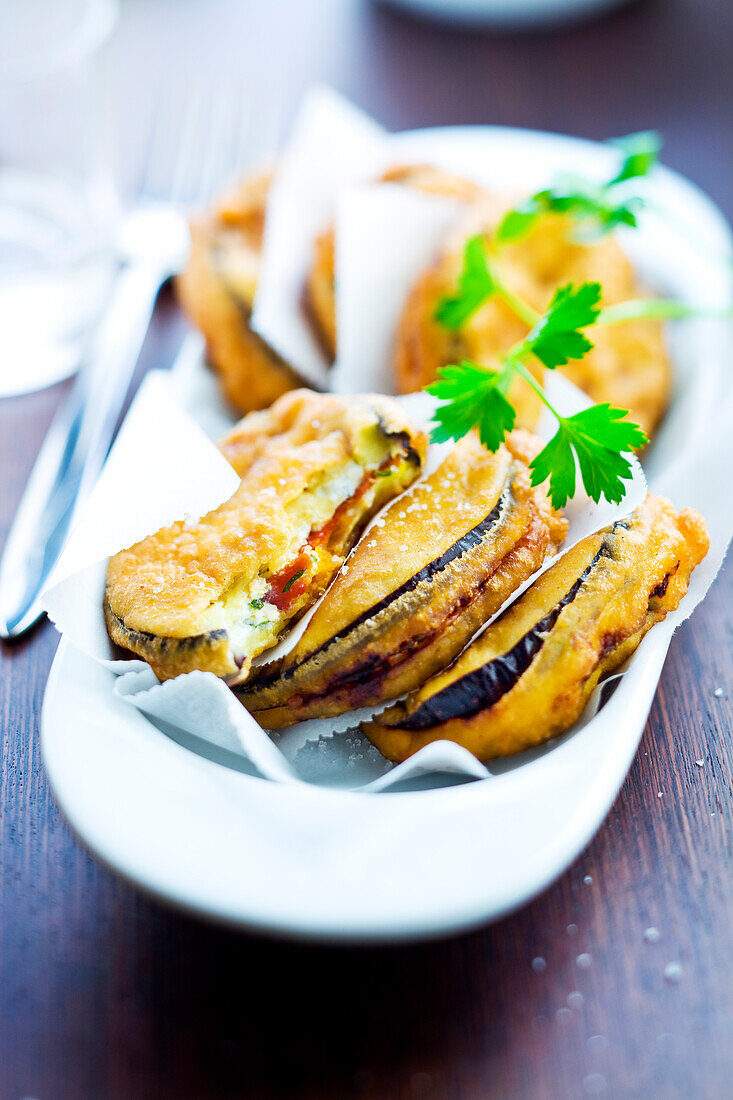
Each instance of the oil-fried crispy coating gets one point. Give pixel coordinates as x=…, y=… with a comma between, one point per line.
x=213, y=593
x=528, y=676
x=320, y=290
x=628, y=366
x=438, y=563
x=217, y=291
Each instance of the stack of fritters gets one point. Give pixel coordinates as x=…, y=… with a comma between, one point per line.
x=528, y=676
x=433, y=568
x=440, y=559
x=218, y=286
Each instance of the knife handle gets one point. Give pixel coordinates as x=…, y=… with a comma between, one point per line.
x=75, y=448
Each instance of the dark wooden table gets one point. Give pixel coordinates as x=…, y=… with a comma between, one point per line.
x=104, y=994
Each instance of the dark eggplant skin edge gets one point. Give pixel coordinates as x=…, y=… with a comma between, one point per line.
x=397, y=432
x=484, y=687
x=197, y=651
x=277, y=363
x=467, y=542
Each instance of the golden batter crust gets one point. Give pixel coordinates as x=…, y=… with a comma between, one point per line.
x=218, y=286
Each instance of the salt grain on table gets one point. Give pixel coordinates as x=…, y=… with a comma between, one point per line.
x=672, y=972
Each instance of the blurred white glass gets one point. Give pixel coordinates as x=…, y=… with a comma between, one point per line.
x=56, y=195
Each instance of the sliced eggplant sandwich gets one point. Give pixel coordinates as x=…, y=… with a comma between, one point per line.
x=213, y=593
x=217, y=290
x=528, y=676
x=431, y=570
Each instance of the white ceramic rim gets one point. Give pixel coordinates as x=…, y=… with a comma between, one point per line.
x=87, y=765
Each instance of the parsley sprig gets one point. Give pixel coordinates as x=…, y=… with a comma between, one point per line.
x=596, y=208
x=599, y=437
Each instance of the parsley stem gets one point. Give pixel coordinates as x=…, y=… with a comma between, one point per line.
x=521, y=308
x=657, y=308
x=538, y=389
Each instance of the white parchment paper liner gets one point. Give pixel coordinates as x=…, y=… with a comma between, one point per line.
x=386, y=235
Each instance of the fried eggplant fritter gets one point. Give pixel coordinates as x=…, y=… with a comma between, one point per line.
x=217, y=290
x=214, y=593
x=528, y=676
x=436, y=565
x=628, y=366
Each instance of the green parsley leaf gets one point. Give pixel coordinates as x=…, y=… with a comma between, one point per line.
x=599, y=436
x=475, y=285
x=595, y=206
x=555, y=339
x=474, y=396
x=295, y=577
x=257, y=603
x=587, y=205
x=383, y=473
x=641, y=154
x=516, y=222
x=556, y=461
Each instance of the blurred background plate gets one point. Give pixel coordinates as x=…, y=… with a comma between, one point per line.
x=507, y=14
